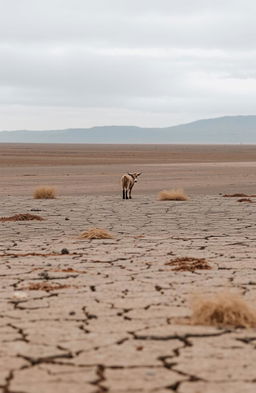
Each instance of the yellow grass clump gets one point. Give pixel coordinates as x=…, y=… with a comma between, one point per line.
x=44, y=192
x=172, y=195
x=223, y=309
x=96, y=233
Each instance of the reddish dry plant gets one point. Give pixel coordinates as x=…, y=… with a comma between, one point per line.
x=189, y=264
x=248, y=200
x=22, y=217
x=172, y=195
x=238, y=195
x=68, y=270
x=44, y=192
x=96, y=233
x=223, y=309
x=45, y=286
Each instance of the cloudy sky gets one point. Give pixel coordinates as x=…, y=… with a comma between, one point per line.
x=82, y=63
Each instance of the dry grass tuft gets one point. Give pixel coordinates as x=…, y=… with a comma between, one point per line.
x=189, y=264
x=44, y=192
x=172, y=195
x=245, y=200
x=96, y=233
x=223, y=309
x=22, y=217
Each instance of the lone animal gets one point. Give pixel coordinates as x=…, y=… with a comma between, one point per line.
x=128, y=181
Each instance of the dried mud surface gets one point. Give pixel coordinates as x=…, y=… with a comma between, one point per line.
x=103, y=317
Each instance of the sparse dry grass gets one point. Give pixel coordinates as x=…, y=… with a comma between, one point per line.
x=22, y=217
x=223, y=309
x=45, y=192
x=96, y=233
x=172, y=195
x=189, y=264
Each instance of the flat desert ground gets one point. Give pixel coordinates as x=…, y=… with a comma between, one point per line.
x=112, y=315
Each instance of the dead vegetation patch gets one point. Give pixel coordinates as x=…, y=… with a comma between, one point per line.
x=45, y=286
x=238, y=195
x=44, y=192
x=68, y=270
x=172, y=195
x=189, y=264
x=96, y=233
x=248, y=200
x=36, y=254
x=22, y=217
x=223, y=309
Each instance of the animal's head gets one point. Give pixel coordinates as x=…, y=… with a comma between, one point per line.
x=134, y=176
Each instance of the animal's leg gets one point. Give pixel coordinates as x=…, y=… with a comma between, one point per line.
x=126, y=194
x=130, y=192
x=123, y=193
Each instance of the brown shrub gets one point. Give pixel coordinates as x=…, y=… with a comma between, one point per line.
x=172, y=195
x=22, y=217
x=44, y=192
x=96, y=233
x=222, y=309
x=189, y=264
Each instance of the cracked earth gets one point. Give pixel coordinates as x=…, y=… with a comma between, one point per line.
x=104, y=317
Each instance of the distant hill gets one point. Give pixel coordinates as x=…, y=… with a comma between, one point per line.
x=227, y=130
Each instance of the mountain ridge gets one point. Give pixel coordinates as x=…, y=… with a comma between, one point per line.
x=225, y=129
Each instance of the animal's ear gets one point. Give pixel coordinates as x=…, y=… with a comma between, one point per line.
x=130, y=174
x=138, y=174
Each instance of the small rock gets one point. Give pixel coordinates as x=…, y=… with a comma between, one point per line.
x=20, y=295
x=44, y=275
x=64, y=251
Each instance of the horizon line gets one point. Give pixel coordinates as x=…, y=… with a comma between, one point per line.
x=134, y=126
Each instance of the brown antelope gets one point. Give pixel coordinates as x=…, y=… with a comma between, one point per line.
x=128, y=181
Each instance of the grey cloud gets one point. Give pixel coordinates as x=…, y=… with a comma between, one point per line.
x=144, y=59
x=132, y=23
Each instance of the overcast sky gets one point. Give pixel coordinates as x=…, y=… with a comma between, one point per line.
x=82, y=63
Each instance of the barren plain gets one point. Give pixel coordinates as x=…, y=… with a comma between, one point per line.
x=111, y=315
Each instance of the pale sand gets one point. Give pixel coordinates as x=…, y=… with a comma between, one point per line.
x=113, y=327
